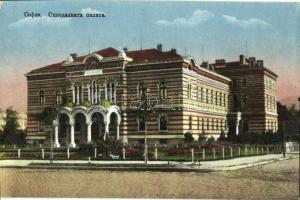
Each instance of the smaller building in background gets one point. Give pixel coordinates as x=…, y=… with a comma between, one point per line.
x=22, y=120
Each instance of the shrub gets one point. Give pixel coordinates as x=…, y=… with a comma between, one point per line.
x=188, y=137
x=222, y=136
x=86, y=104
x=105, y=103
x=211, y=139
x=202, y=138
x=87, y=149
x=70, y=104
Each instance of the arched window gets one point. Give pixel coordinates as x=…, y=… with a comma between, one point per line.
x=111, y=91
x=58, y=95
x=41, y=98
x=163, y=123
x=162, y=90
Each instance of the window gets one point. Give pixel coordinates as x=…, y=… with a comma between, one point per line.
x=141, y=89
x=58, y=97
x=245, y=102
x=201, y=95
x=163, y=121
x=78, y=94
x=42, y=98
x=189, y=90
x=111, y=91
x=141, y=123
x=41, y=125
x=190, y=123
x=162, y=90
x=94, y=92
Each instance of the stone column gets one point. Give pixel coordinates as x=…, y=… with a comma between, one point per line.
x=106, y=134
x=118, y=131
x=72, y=134
x=73, y=93
x=89, y=93
x=89, y=131
x=56, y=142
x=239, y=117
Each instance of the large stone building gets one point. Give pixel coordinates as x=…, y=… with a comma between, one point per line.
x=99, y=96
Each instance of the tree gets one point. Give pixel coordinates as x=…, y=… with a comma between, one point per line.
x=222, y=136
x=202, y=138
x=188, y=137
x=48, y=115
x=11, y=134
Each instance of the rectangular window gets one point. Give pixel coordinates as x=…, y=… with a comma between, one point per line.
x=141, y=124
x=41, y=125
x=189, y=90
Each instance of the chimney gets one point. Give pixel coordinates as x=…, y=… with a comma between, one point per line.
x=211, y=67
x=125, y=49
x=159, y=47
x=173, y=50
x=73, y=55
x=260, y=63
x=242, y=59
x=204, y=64
x=252, y=61
x=220, y=62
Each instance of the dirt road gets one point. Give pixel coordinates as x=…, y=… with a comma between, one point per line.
x=279, y=180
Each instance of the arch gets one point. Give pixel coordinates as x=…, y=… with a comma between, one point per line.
x=65, y=110
x=98, y=57
x=97, y=109
x=116, y=110
x=82, y=110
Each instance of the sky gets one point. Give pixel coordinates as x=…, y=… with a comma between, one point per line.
x=204, y=30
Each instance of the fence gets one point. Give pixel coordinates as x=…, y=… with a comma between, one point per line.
x=175, y=153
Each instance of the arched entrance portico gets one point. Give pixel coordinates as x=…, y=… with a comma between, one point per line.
x=82, y=125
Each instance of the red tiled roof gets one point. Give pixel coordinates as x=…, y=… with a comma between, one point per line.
x=151, y=55
x=57, y=67
x=137, y=56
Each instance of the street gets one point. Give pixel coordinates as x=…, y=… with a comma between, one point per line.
x=278, y=180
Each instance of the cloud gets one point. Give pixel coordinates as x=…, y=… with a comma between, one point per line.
x=198, y=17
x=249, y=23
x=84, y=11
x=43, y=20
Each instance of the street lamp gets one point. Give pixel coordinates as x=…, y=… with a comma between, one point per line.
x=144, y=112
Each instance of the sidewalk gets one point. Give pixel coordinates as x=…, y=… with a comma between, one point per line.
x=219, y=165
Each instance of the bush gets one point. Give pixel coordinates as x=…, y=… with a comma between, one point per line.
x=222, y=136
x=202, y=138
x=188, y=137
x=210, y=140
x=138, y=152
x=87, y=149
x=86, y=104
x=70, y=104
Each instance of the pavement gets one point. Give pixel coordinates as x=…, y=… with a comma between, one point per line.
x=204, y=166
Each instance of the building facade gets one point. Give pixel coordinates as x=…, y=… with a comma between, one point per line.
x=99, y=95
